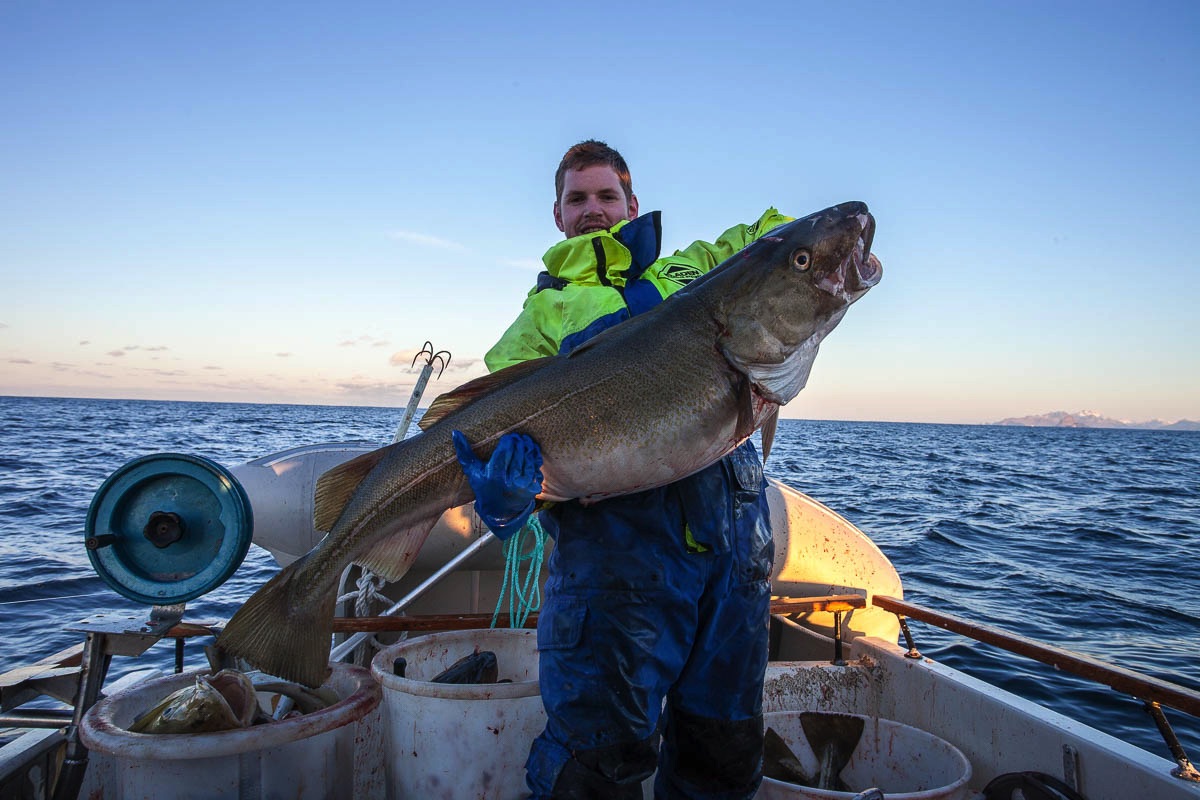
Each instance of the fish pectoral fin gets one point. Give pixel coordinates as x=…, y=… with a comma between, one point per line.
x=778, y=381
x=471, y=391
x=336, y=486
x=392, y=557
x=745, y=409
x=768, y=433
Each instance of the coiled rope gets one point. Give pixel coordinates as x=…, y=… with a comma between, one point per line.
x=524, y=593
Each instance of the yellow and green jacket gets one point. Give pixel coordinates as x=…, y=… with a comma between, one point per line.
x=597, y=280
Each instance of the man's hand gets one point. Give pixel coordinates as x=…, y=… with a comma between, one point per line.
x=505, y=487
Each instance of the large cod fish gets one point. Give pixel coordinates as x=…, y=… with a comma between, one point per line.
x=643, y=404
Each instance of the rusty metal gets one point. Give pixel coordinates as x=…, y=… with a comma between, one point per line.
x=838, y=660
x=424, y=622
x=913, y=652
x=164, y=528
x=1124, y=680
x=186, y=630
x=1184, y=769
x=833, y=602
x=103, y=540
x=453, y=622
x=441, y=357
x=94, y=667
x=449, y=622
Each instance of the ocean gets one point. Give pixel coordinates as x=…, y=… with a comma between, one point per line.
x=1087, y=539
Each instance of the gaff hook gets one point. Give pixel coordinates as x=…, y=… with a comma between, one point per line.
x=441, y=358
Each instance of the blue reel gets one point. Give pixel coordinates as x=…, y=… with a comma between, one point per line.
x=167, y=528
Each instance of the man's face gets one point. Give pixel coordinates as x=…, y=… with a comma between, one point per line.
x=592, y=200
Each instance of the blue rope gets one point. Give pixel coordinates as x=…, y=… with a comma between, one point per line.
x=524, y=595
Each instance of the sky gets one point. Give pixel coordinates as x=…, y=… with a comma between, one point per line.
x=282, y=202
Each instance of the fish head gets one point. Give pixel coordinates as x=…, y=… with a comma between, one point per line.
x=785, y=292
x=196, y=708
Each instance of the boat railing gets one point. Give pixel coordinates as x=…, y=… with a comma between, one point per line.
x=835, y=604
x=1152, y=692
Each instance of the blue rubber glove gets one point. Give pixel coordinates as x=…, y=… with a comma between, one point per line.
x=505, y=487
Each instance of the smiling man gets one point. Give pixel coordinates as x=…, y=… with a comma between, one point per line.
x=593, y=198
x=654, y=627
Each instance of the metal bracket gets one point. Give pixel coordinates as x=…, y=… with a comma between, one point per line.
x=838, y=660
x=1184, y=771
x=92, y=670
x=1071, y=766
x=912, y=653
x=128, y=633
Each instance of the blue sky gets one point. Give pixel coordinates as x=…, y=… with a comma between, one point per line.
x=282, y=202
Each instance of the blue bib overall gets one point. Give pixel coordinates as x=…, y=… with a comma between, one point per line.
x=655, y=623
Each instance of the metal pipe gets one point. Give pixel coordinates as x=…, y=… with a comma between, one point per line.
x=347, y=647
x=92, y=670
x=37, y=718
x=838, y=660
x=1184, y=770
x=411, y=410
x=912, y=653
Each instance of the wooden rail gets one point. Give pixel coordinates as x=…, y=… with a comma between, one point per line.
x=1144, y=687
x=446, y=622
x=424, y=622
x=454, y=622
x=832, y=603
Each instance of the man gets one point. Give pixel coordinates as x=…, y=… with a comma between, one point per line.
x=660, y=595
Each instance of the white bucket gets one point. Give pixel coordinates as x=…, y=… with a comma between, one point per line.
x=460, y=741
x=903, y=762
x=318, y=755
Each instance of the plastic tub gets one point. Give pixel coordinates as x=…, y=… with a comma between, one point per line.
x=460, y=741
x=904, y=762
x=333, y=752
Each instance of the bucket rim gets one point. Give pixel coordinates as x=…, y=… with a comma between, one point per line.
x=381, y=669
x=952, y=789
x=101, y=733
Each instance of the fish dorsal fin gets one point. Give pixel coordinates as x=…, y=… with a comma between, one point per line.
x=471, y=391
x=335, y=487
x=768, y=432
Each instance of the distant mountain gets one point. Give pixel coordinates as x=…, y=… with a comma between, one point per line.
x=1094, y=419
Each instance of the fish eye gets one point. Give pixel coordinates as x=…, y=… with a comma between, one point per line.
x=802, y=260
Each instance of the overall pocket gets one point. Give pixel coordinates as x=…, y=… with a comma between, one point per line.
x=751, y=516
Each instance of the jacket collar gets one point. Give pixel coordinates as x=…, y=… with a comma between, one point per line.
x=607, y=258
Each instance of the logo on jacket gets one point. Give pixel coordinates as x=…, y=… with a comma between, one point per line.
x=680, y=273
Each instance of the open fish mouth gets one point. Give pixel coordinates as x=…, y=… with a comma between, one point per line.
x=860, y=270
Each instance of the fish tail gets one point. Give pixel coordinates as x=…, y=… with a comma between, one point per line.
x=280, y=637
